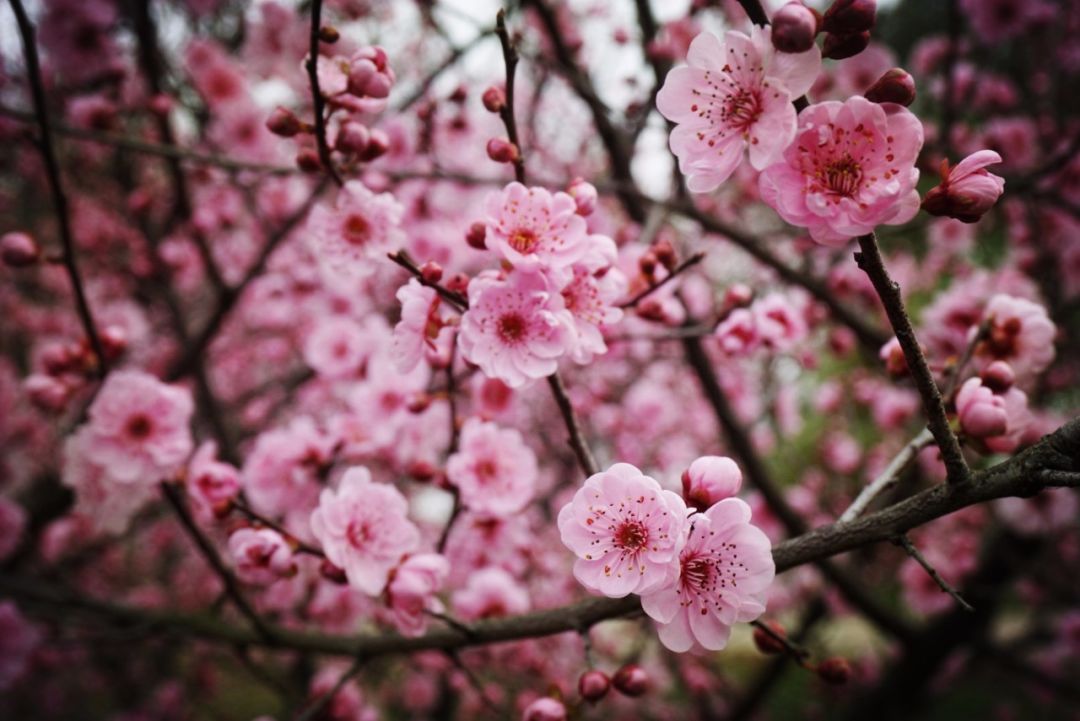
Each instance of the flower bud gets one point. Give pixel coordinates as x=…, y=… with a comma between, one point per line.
x=418, y=402
x=665, y=254
x=421, y=470
x=982, y=413
x=968, y=190
x=458, y=283
x=647, y=263
x=378, y=145
x=47, y=393
x=593, y=685
x=836, y=671
x=283, y=123
x=767, y=642
x=476, y=235
x=895, y=360
x=847, y=17
x=19, y=250
x=710, y=479
x=494, y=99
x=114, y=341
x=502, y=150
x=895, y=86
x=794, y=28
x=998, y=376
x=329, y=34
x=308, y=161
x=838, y=47
x=584, y=195
x=738, y=295
x=544, y=709
x=160, y=104
x=352, y=137
x=332, y=572
x=431, y=272
x=631, y=680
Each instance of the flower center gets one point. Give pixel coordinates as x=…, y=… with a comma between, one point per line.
x=742, y=109
x=697, y=572
x=524, y=240
x=843, y=177
x=511, y=328
x=358, y=534
x=486, y=469
x=139, y=426
x=356, y=229
x=1001, y=341
x=632, y=536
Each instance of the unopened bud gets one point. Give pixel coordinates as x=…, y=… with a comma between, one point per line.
x=476, y=236
x=160, y=104
x=593, y=685
x=895, y=361
x=768, y=642
x=114, y=341
x=308, y=161
x=502, y=150
x=998, y=376
x=794, y=28
x=895, y=86
x=584, y=195
x=838, y=47
x=19, y=250
x=665, y=253
x=494, y=99
x=329, y=34
x=738, y=295
x=651, y=309
x=836, y=671
x=847, y=17
x=544, y=709
x=418, y=402
x=431, y=272
x=353, y=138
x=422, y=471
x=458, y=283
x=282, y=122
x=631, y=680
x=378, y=145
x=647, y=263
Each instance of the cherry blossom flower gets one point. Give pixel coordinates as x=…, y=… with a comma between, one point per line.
x=107, y=503
x=625, y=530
x=418, y=332
x=780, y=324
x=590, y=294
x=336, y=347
x=850, y=169
x=260, y=556
x=490, y=593
x=516, y=328
x=710, y=479
x=531, y=227
x=139, y=428
x=494, y=471
x=280, y=471
x=734, y=95
x=1020, y=334
x=968, y=190
x=363, y=529
x=726, y=568
x=412, y=589
x=738, y=333
x=358, y=230
x=210, y=483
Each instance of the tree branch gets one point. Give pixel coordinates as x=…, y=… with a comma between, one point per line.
x=317, y=100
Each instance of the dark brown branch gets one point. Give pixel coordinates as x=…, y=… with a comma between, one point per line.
x=52, y=172
x=455, y=299
x=573, y=426
x=910, y=549
x=510, y=59
x=317, y=101
x=679, y=269
x=870, y=260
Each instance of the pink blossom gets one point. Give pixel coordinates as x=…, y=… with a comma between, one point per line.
x=363, y=529
x=12, y=525
x=490, y=593
x=726, y=568
x=1051, y=511
x=968, y=190
x=417, y=333
x=260, y=556
x=850, y=169
x=590, y=295
x=531, y=227
x=336, y=347
x=360, y=228
x=107, y=503
x=493, y=470
x=996, y=416
x=139, y=427
x=544, y=709
x=515, y=328
x=625, y=530
x=412, y=589
x=780, y=324
x=280, y=472
x=1020, y=334
x=710, y=479
x=211, y=484
x=733, y=96
x=18, y=641
x=738, y=333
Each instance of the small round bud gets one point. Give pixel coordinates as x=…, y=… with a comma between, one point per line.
x=794, y=28
x=423, y=471
x=418, y=402
x=651, y=309
x=494, y=99
x=584, y=195
x=895, y=361
x=998, y=376
x=458, y=283
x=895, y=86
x=329, y=34
x=47, y=393
x=738, y=295
x=431, y=272
x=282, y=122
x=19, y=250
x=593, y=685
x=476, y=236
x=352, y=137
x=847, y=17
x=710, y=479
x=836, y=671
x=160, y=104
x=665, y=254
x=308, y=161
x=767, y=642
x=838, y=47
x=378, y=145
x=544, y=709
x=647, y=263
x=502, y=150
x=114, y=341
x=332, y=572
x=631, y=680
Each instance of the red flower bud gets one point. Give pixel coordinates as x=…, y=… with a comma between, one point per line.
x=665, y=253
x=647, y=263
x=19, y=250
x=794, y=28
x=968, y=190
x=476, y=235
x=593, y=685
x=282, y=122
x=431, y=272
x=895, y=86
x=502, y=150
x=308, y=161
x=353, y=137
x=329, y=34
x=378, y=145
x=494, y=99
x=838, y=47
x=836, y=671
x=998, y=376
x=767, y=642
x=631, y=680
x=544, y=709
x=458, y=282
x=738, y=295
x=847, y=17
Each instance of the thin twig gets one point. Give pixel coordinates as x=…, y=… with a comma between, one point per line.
x=295, y=543
x=510, y=59
x=675, y=272
x=317, y=100
x=52, y=172
x=797, y=653
x=888, y=477
x=314, y=710
x=457, y=300
x=573, y=426
x=870, y=260
x=909, y=548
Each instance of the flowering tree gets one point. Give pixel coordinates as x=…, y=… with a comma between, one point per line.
x=428, y=360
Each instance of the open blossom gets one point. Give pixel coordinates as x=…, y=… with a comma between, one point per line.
x=363, y=529
x=260, y=556
x=734, y=95
x=418, y=331
x=1020, y=334
x=280, y=472
x=336, y=347
x=625, y=530
x=590, y=294
x=490, y=593
x=106, y=502
x=968, y=190
x=531, y=227
x=850, y=169
x=139, y=428
x=412, y=589
x=516, y=328
x=738, y=333
x=494, y=471
x=358, y=230
x=725, y=568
